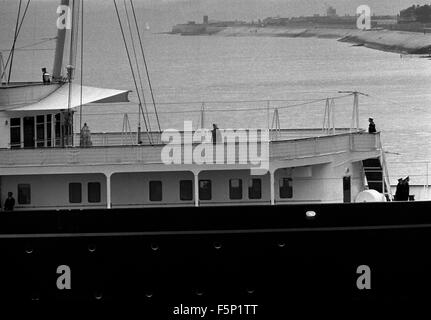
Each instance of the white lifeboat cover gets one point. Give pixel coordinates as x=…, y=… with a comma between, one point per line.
x=370, y=196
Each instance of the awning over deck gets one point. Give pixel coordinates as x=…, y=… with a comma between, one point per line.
x=58, y=100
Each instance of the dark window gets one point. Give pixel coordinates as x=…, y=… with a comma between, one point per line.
x=75, y=192
x=205, y=190
x=24, y=194
x=235, y=189
x=286, y=190
x=40, y=131
x=29, y=136
x=255, y=190
x=347, y=193
x=186, y=190
x=15, y=133
x=94, y=192
x=48, y=130
x=57, y=129
x=156, y=191
x=15, y=121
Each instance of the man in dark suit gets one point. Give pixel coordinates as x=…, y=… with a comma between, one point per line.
x=9, y=204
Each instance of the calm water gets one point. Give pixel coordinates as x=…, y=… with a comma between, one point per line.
x=202, y=68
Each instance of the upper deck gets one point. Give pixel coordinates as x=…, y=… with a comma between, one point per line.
x=108, y=150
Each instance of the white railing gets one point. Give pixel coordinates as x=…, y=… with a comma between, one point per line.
x=104, y=139
x=288, y=149
x=418, y=171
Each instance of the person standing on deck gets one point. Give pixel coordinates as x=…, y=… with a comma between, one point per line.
x=406, y=194
x=46, y=77
x=216, y=135
x=399, y=191
x=85, y=136
x=372, y=126
x=9, y=204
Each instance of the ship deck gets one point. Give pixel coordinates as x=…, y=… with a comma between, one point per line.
x=115, y=149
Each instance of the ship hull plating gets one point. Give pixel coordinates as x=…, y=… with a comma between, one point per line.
x=265, y=255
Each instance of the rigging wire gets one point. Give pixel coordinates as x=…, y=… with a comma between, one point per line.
x=138, y=70
x=242, y=101
x=146, y=67
x=81, y=64
x=10, y=56
x=239, y=109
x=130, y=64
x=33, y=44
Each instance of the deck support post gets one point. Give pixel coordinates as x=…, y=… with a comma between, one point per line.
x=108, y=190
x=272, y=189
x=196, y=187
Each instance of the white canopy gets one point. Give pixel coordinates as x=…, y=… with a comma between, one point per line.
x=58, y=100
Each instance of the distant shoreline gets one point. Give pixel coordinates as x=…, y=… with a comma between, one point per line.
x=385, y=40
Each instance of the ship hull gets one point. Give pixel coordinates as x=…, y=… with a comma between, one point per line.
x=265, y=255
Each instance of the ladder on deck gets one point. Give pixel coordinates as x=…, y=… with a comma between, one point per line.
x=377, y=175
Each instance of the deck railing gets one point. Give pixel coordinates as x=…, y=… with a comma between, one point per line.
x=151, y=154
x=121, y=139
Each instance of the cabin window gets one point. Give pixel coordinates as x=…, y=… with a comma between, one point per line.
x=94, y=192
x=156, y=191
x=286, y=189
x=186, y=190
x=255, y=189
x=57, y=130
x=205, y=190
x=15, y=133
x=75, y=192
x=24, y=194
x=29, y=132
x=40, y=131
x=48, y=130
x=235, y=189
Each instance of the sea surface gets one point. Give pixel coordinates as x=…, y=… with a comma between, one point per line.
x=242, y=72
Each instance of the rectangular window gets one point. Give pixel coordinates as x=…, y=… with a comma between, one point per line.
x=57, y=130
x=205, y=190
x=94, y=192
x=48, y=130
x=24, y=194
x=235, y=189
x=29, y=133
x=75, y=192
x=15, y=133
x=286, y=189
x=255, y=190
x=186, y=190
x=156, y=191
x=40, y=131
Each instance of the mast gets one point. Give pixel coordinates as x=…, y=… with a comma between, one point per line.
x=61, y=37
x=70, y=69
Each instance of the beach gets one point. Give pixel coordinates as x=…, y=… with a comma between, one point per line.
x=385, y=40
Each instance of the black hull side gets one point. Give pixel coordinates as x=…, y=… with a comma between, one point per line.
x=270, y=256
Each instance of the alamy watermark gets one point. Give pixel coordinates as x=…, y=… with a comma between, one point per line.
x=364, y=17
x=219, y=147
x=64, y=20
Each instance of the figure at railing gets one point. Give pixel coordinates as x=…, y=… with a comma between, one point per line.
x=85, y=138
x=403, y=190
x=372, y=126
x=216, y=135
